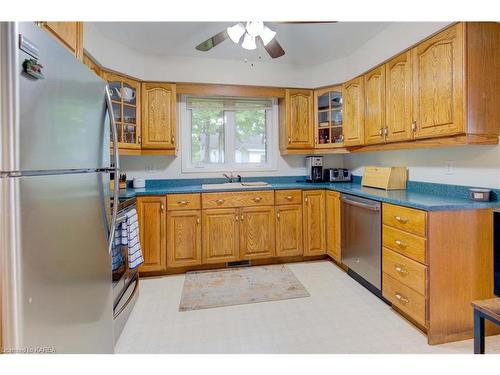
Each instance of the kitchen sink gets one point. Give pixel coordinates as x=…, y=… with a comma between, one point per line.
x=234, y=185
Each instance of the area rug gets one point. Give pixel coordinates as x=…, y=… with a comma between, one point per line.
x=237, y=286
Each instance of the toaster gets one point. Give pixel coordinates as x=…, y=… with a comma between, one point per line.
x=337, y=175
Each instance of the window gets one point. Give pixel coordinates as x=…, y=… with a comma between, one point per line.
x=227, y=134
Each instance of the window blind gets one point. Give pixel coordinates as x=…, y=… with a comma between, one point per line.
x=228, y=104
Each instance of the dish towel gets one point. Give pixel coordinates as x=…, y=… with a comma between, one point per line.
x=130, y=237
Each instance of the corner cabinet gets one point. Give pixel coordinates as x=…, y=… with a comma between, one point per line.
x=158, y=116
x=354, y=112
x=328, y=105
x=296, y=120
x=438, y=93
x=152, y=231
x=69, y=34
x=126, y=99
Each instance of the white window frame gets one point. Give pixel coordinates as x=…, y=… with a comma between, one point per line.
x=229, y=164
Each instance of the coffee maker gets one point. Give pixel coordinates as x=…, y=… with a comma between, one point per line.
x=314, y=168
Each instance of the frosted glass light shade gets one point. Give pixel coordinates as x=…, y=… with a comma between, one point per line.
x=249, y=42
x=267, y=35
x=235, y=32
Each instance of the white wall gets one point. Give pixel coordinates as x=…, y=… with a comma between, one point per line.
x=471, y=165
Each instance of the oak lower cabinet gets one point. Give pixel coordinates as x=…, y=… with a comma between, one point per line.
x=220, y=235
x=158, y=116
x=289, y=237
x=183, y=238
x=257, y=232
x=152, y=232
x=314, y=222
x=333, y=228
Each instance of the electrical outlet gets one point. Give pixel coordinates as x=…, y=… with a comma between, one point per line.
x=449, y=167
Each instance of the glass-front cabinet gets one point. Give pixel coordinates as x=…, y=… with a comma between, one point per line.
x=126, y=98
x=329, y=111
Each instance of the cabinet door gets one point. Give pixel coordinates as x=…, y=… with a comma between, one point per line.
x=69, y=34
x=158, y=112
x=333, y=225
x=184, y=238
x=289, y=240
x=438, y=90
x=257, y=232
x=220, y=235
x=314, y=222
x=354, y=111
x=375, y=106
x=299, y=118
x=398, y=98
x=152, y=231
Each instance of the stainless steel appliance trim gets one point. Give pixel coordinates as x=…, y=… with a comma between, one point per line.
x=124, y=309
x=116, y=193
x=361, y=205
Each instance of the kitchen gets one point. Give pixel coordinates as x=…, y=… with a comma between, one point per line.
x=359, y=184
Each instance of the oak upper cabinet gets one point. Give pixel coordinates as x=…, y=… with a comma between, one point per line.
x=333, y=233
x=314, y=222
x=374, y=82
x=183, y=238
x=158, y=116
x=289, y=239
x=220, y=235
x=257, y=232
x=152, y=232
x=354, y=111
x=329, y=122
x=69, y=34
x=126, y=100
x=296, y=120
x=438, y=87
x=398, y=98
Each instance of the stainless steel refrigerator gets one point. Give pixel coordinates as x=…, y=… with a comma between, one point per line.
x=55, y=220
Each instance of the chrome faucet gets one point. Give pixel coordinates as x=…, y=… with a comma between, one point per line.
x=229, y=177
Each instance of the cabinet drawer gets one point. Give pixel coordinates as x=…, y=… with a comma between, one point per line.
x=238, y=199
x=404, y=298
x=404, y=243
x=404, y=270
x=288, y=197
x=404, y=218
x=183, y=202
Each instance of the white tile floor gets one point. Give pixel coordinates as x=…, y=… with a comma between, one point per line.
x=341, y=316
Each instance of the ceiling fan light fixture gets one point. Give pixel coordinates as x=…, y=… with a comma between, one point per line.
x=235, y=32
x=255, y=28
x=267, y=35
x=249, y=42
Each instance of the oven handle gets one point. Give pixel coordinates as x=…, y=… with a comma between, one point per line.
x=361, y=205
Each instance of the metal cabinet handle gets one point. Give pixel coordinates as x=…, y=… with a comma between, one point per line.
x=400, y=243
x=172, y=140
x=182, y=203
x=257, y=199
x=400, y=269
x=219, y=201
x=289, y=140
x=289, y=197
x=306, y=199
x=237, y=217
x=401, y=298
x=386, y=131
x=381, y=131
x=414, y=126
x=278, y=215
x=401, y=219
x=241, y=217
x=198, y=220
x=162, y=207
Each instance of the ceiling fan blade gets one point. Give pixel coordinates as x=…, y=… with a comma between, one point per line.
x=274, y=49
x=213, y=41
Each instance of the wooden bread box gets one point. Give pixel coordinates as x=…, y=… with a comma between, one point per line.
x=387, y=178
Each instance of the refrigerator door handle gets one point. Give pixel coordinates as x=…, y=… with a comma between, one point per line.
x=116, y=191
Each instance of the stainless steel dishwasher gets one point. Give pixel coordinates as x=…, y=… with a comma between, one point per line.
x=361, y=240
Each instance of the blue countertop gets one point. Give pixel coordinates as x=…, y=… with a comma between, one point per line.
x=420, y=195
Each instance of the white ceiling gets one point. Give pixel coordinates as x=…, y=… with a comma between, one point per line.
x=304, y=44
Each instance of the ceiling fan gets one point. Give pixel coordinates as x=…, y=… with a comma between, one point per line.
x=249, y=33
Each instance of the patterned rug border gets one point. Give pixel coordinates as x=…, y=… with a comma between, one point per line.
x=184, y=309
